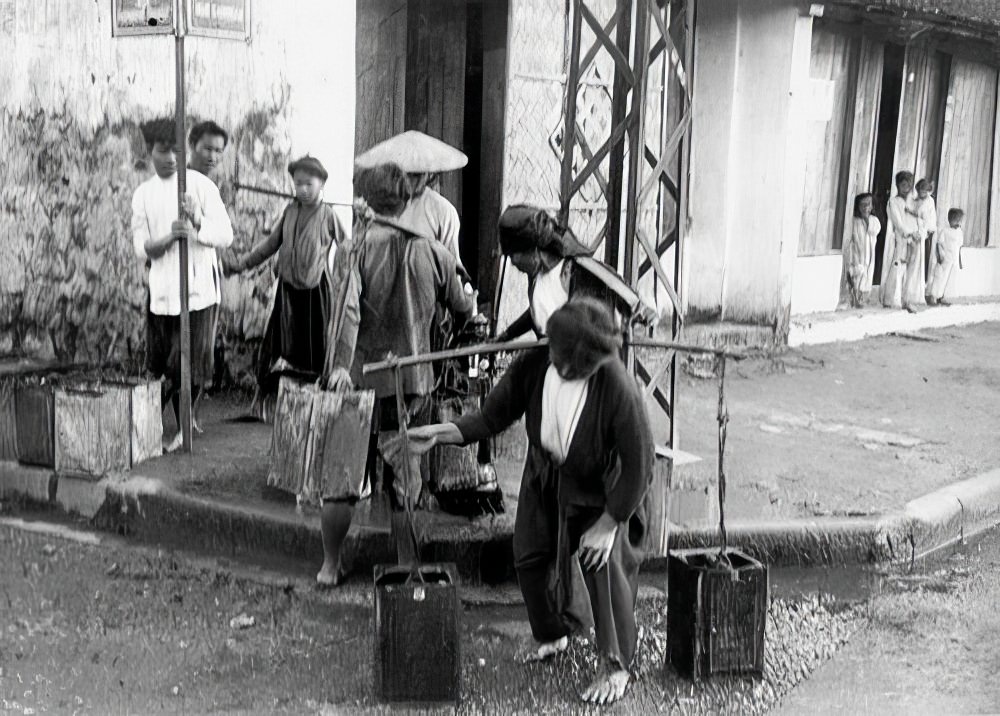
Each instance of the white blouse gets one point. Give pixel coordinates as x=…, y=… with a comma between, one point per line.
x=562, y=405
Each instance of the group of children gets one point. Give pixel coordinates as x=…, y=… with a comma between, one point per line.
x=912, y=240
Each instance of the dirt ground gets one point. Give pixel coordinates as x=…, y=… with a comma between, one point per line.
x=112, y=628
x=850, y=428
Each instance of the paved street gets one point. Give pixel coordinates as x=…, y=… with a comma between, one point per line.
x=851, y=428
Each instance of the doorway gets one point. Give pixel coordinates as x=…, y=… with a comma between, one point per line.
x=439, y=66
x=885, y=143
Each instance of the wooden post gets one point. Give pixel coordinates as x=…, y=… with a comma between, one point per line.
x=613, y=237
x=569, y=138
x=683, y=180
x=185, y=386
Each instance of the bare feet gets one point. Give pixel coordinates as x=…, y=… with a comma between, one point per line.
x=174, y=444
x=547, y=650
x=608, y=687
x=329, y=575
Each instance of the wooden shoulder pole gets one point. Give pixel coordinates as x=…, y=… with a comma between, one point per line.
x=185, y=386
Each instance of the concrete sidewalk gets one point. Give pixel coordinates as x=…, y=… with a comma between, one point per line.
x=880, y=450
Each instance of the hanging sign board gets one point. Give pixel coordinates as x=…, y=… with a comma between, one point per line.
x=142, y=17
x=227, y=19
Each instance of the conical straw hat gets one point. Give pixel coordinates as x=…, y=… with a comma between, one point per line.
x=415, y=153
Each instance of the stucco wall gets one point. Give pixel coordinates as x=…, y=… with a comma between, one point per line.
x=72, y=100
x=816, y=283
x=751, y=58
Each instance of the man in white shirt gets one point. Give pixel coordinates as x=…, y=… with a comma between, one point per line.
x=155, y=234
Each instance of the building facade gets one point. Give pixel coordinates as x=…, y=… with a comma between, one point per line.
x=73, y=97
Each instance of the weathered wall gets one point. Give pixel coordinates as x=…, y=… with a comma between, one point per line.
x=751, y=65
x=73, y=97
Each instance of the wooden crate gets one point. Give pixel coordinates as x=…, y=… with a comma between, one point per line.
x=34, y=410
x=658, y=509
x=417, y=634
x=8, y=422
x=106, y=427
x=319, y=445
x=716, y=612
x=455, y=467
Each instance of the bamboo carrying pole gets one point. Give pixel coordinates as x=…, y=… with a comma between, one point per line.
x=185, y=386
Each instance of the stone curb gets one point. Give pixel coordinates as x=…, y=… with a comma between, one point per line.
x=146, y=509
x=807, y=330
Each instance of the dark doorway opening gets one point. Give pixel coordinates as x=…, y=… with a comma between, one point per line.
x=472, y=139
x=885, y=142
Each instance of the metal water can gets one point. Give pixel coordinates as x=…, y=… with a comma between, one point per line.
x=716, y=611
x=417, y=637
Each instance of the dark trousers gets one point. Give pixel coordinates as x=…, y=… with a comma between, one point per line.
x=605, y=598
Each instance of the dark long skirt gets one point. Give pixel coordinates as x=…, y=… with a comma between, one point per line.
x=296, y=332
x=163, y=356
x=560, y=596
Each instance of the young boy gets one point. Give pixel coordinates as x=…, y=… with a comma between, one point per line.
x=946, y=255
x=207, y=142
x=905, y=231
x=927, y=220
x=155, y=234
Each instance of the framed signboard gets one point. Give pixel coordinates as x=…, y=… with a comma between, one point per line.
x=229, y=19
x=142, y=17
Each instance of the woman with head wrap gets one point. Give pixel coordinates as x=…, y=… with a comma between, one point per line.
x=589, y=464
x=558, y=268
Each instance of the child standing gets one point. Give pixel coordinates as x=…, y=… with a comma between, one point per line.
x=946, y=255
x=903, y=231
x=927, y=220
x=155, y=233
x=859, y=254
x=303, y=240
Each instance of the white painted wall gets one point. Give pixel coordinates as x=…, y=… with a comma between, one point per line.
x=980, y=275
x=751, y=59
x=65, y=58
x=816, y=283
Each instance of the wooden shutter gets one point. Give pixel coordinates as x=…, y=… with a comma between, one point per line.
x=380, y=57
x=967, y=149
x=832, y=55
x=921, y=117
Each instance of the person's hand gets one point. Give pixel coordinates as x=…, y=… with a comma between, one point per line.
x=230, y=265
x=596, y=542
x=423, y=438
x=419, y=440
x=181, y=229
x=191, y=210
x=339, y=380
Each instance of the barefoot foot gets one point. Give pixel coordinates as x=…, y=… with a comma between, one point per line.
x=547, y=650
x=608, y=687
x=329, y=575
x=174, y=444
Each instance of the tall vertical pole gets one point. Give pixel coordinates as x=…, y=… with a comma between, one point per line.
x=185, y=386
x=619, y=105
x=572, y=87
x=684, y=185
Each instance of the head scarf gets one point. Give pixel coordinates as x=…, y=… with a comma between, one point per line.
x=523, y=228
